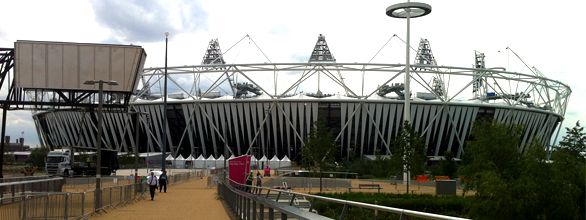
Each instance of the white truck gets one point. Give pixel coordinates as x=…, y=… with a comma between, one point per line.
x=65, y=162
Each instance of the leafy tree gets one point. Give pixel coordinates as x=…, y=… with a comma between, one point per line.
x=318, y=153
x=510, y=184
x=37, y=157
x=408, y=152
x=574, y=142
x=569, y=163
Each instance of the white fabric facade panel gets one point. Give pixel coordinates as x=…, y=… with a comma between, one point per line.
x=282, y=127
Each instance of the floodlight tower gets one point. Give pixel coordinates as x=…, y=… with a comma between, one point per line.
x=408, y=10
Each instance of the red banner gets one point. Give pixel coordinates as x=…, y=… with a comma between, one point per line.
x=239, y=167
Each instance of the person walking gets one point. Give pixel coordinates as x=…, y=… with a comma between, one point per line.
x=152, y=182
x=249, y=181
x=258, y=181
x=163, y=181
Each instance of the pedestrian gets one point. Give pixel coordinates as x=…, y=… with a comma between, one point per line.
x=152, y=181
x=258, y=182
x=249, y=182
x=163, y=181
x=258, y=179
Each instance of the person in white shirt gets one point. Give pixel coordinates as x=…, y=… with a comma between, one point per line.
x=152, y=182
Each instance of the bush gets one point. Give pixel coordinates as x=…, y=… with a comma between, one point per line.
x=38, y=157
x=452, y=206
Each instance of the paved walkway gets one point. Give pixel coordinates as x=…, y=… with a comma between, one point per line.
x=188, y=200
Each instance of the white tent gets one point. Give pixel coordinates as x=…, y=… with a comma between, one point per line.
x=200, y=162
x=274, y=162
x=179, y=162
x=220, y=162
x=210, y=162
x=262, y=162
x=285, y=162
x=169, y=158
x=189, y=161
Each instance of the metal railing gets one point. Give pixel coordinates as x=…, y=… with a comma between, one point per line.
x=13, y=189
x=22, y=178
x=251, y=202
x=248, y=205
x=75, y=205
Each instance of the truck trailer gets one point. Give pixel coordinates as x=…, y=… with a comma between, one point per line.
x=80, y=161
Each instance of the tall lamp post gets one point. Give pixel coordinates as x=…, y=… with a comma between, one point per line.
x=408, y=10
x=98, y=191
x=164, y=144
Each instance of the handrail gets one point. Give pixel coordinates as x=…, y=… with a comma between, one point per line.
x=360, y=204
x=30, y=181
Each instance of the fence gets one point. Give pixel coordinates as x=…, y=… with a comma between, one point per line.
x=251, y=202
x=14, y=189
x=75, y=205
x=21, y=178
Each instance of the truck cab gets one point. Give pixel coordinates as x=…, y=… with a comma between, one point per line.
x=58, y=162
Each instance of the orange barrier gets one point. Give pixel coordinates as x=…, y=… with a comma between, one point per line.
x=421, y=179
x=441, y=177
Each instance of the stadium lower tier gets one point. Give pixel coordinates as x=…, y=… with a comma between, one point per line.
x=281, y=127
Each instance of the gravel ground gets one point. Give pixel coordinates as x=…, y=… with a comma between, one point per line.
x=188, y=200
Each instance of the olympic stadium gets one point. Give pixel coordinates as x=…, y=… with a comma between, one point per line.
x=269, y=109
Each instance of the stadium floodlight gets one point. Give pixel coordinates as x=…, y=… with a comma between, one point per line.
x=408, y=10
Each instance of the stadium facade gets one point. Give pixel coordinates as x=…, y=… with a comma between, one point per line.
x=259, y=108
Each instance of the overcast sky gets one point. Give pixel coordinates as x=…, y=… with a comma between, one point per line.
x=546, y=34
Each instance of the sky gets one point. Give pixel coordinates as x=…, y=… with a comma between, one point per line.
x=546, y=34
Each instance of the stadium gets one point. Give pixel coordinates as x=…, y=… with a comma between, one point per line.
x=269, y=109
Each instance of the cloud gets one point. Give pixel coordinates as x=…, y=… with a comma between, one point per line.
x=146, y=21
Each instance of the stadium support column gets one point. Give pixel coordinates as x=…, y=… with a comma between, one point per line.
x=408, y=10
x=164, y=144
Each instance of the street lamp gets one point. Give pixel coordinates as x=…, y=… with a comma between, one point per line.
x=164, y=144
x=98, y=191
x=408, y=10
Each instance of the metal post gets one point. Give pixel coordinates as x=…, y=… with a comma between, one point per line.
x=261, y=212
x=66, y=210
x=407, y=109
x=254, y=209
x=83, y=204
x=4, y=110
x=164, y=144
x=271, y=213
x=98, y=204
x=98, y=190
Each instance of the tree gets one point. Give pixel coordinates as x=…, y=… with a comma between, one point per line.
x=408, y=152
x=569, y=163
x=37, y=157
x=510, y=184
x=575, y=141
x=318, y=153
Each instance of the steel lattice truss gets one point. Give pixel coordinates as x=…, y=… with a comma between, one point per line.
x=514, y=89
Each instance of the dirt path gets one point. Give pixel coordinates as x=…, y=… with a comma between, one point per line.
x=189, y=200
